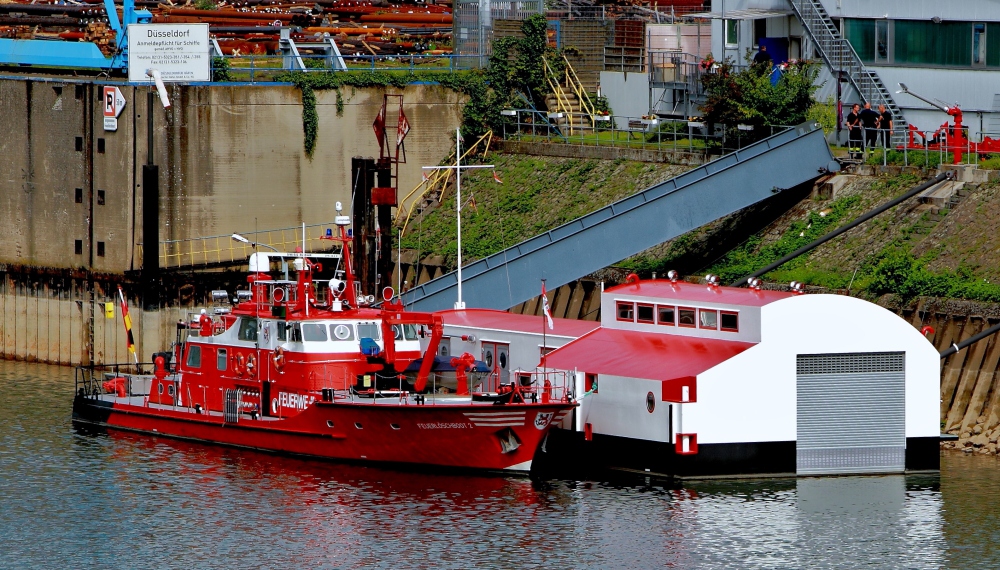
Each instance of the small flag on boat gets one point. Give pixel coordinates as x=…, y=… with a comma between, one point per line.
x=128, y=321
x=497, y=178
x=545, y=308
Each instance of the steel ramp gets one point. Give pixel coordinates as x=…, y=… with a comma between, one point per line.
x=634, y=224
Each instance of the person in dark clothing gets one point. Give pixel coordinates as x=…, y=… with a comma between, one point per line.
x=763, y=59
x=869, y=120
x=854, y=132
x=884, y=126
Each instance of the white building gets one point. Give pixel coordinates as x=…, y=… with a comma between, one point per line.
x=696, y=380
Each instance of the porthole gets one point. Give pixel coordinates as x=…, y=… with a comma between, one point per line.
x=358, y=425
x=394, y=426
x=329, y=423
x=159, y=387
x=170, y=389
x=650, y=402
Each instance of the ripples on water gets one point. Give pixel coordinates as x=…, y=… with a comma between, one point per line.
x=75, y=500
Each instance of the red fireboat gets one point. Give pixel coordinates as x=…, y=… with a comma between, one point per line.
x=315, y=369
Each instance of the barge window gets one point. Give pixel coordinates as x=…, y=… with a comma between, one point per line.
x=282, y=331
x=220, y=359
x=685, y=317
x=626, y=311
x=708, y=319
x=296, y=335
x=194, y=356
x=730, y=321
x=665, y=315
x=369, y=330
x=313, y=332
x=342, y=332
x=248, y=329
x=644, y=313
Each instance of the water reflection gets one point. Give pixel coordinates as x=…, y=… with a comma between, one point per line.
x=78, y=499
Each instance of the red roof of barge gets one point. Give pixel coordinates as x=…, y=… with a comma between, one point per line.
x=502, y=320
x=700, y=293
x=635, y=354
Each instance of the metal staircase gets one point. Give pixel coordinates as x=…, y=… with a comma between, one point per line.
x=634, y=224
x=839, y=55
x=569, y=98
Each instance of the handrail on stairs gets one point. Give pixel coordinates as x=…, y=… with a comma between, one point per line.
x=432, y=180
x=562, y=102
x=581, y=94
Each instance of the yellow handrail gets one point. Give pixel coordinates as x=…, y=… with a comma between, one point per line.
x=431, y=182
x=581, y=94
x=562, y=102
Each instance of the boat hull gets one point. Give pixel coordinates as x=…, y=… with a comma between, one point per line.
x=477, y=437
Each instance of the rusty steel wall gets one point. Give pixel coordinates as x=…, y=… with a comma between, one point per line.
x=231, y=159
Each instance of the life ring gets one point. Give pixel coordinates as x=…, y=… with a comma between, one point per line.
x=279, y=359
x=251, y=366
x=239, y=365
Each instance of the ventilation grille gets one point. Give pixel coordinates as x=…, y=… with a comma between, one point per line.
x=866, y=362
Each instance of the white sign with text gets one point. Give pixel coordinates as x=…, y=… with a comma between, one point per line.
x=180, y=52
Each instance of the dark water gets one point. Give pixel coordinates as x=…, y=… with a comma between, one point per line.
x=69, y=500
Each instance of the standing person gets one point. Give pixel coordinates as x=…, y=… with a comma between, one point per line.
x=884, y=126
x=763, y=59
x=854, y=133
x=869, y=120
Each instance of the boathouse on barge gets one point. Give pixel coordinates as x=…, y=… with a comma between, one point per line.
x=699, y=380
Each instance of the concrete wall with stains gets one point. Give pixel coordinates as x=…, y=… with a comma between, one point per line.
x=231, y=159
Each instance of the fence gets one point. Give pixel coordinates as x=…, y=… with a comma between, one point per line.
x=929, y=149
x=224, y=249
x=648, y=132
x=254, y=68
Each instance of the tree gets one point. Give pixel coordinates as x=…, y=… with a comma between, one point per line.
x=747, y=97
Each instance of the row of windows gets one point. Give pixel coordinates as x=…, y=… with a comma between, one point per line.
x=321, y=332
x=922, y=42
x=670, y=315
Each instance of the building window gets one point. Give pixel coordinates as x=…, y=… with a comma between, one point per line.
x=685, y=317
x=626, y=312
x=924, y=42
x=644, y=313
x=221, y=359
x=730, y=321
x=665, y=315
x=100, y=249
x=732, y=33
x=759, y=31
x=194, y=356
x=708, y=319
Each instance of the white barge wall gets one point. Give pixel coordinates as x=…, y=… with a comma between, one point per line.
x=752, y=396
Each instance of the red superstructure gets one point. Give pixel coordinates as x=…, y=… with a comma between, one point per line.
x=314, y=368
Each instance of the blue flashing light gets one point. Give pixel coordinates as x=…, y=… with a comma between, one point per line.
x=350, y=233
x=329, y=233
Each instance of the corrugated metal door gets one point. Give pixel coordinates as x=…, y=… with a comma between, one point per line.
x=851, y=413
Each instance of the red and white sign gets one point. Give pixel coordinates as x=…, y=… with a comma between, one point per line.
x=114, y=104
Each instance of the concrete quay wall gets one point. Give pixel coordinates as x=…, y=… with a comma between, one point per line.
x=231, y=159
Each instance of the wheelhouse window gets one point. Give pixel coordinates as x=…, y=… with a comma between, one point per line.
x=708, y=319
x=248, y=329
x=342, y=332
x=313, y=332
x=296, y=333
x=410, y=332
x=221, y=359
x=730, y=321
x=644, y=313
x=665, y=315
x=626, y=312
x=369, y=330
x=194, y=356
x=685, y=317
x=282, y=331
